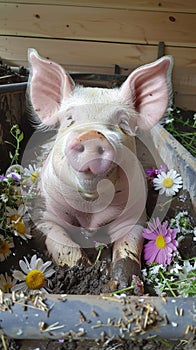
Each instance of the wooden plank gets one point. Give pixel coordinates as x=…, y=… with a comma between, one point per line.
x=78, y=52
x=82, y=53
x=185, y=101
x=188, y=6
x=101, y=58
x=109, y=25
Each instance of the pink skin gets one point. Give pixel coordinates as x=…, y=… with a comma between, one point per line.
x=92, y=179
x=90, y=152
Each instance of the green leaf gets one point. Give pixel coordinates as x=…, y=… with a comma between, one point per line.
x=10, y=155
x=21, y=137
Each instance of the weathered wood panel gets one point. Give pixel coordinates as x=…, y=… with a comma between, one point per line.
x=99, y=24
x=95, y=35
x=187, y=6
x=102, y=57
x=71, y=52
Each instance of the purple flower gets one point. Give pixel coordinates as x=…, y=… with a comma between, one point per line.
x=15, y=176
x=160, y=169
x=100, y=245
x=139, y=285
x=161, y=243
x=151, y=172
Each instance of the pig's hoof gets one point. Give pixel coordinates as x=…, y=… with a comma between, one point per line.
x=122, y=271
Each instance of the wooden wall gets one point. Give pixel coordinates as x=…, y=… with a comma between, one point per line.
x=96, y=35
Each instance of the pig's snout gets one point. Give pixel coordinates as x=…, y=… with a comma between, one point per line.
x=90, y=152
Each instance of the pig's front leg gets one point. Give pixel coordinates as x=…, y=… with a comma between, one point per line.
x=62, y=249
x=126, y=258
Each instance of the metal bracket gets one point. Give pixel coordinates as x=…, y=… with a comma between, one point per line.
x=161, y=49
x=116, y=69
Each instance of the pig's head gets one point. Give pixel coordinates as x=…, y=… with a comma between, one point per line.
x=93, y=122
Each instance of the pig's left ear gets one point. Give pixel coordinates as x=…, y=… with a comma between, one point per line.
x=48, y=85
x=149, y=89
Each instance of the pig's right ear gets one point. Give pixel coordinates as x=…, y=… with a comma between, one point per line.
x=49, y=84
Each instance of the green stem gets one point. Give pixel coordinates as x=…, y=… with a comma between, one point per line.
x=122, y=290
x=98, y=255
x=167, y=283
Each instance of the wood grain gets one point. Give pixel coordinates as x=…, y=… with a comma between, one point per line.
x=98, y=24
x=94, y=57
x=188, y=6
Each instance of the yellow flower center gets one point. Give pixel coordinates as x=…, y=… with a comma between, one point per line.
x=20, y=227
x=34, y=176
x=168, y=182
x=160, y=242
x=14, y=218
x=18, y=224
x=4, y=247
x=35, y=279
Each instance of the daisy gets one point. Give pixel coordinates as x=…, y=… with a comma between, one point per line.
x=31, y=174
x=16, y=221
x=161, y=243
x=6, y=282
x=168, y=183
x=5, y=245
x=33, y=274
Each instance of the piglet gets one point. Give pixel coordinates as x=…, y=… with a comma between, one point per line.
x=92, y=183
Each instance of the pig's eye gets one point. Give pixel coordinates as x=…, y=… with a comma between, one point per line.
x=69, y=121
x=124, y=126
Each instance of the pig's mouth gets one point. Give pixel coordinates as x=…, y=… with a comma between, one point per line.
x=88, y=180
x=96, y=167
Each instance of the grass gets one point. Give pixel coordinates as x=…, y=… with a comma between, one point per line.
x=182, y=125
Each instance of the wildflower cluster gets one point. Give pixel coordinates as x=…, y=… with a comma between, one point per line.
x=167, y=273
x=185, y=133
x=18, y=186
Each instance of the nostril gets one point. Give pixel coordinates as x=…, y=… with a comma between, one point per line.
x=80, y=148
x=100, y=150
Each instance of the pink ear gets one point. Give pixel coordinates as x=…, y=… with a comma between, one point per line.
x=49, y=84
x=149, y=88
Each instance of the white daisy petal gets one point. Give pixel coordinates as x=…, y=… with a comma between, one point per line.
x=33, y=262
x=45, y=266
x=26, y=261
x=23, y=266
x=18, y=275
x=20, y=287
x=49, y=273
x=21, y=210
x=39, y=264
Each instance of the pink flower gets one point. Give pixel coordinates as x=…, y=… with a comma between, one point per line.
x=151, y=173
x=160, y=169
x=139, y=285
x=161, y=243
